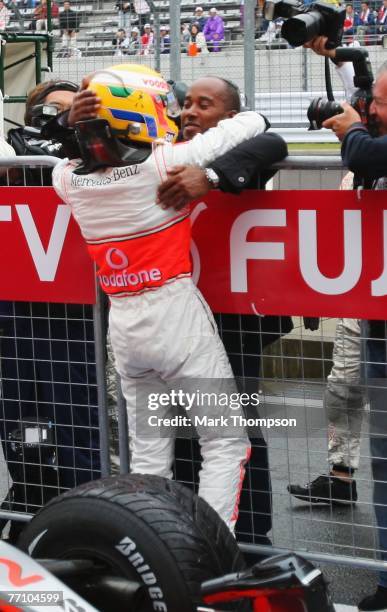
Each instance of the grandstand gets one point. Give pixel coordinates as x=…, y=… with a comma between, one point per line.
x=99, y=22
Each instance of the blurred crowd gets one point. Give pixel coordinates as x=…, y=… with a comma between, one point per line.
x=201, y=33
x=204, y=33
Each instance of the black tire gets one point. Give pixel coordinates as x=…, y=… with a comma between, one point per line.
x=226, y=553
x=179, y=538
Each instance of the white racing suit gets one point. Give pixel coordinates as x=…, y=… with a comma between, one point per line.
x=162, y=331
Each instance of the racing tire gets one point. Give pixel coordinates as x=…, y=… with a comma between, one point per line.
x=143, y=528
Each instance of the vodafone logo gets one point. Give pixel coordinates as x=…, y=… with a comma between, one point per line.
x=157, y=83
x=116, y=259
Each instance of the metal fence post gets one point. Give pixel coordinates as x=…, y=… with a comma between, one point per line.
x=305, y=79
x=174, y=27
x=123, y=438
x=249, y=53
x=156, y=27
x=100, y=365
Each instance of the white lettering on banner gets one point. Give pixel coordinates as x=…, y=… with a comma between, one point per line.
x=46, y=262
x=242, y=251
x=352, y=253
x=196, y=267
x=379, y=286
x=5, y=213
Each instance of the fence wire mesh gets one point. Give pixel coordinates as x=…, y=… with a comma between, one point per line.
x=314, y=371
x=48, y=365
x=50, y=406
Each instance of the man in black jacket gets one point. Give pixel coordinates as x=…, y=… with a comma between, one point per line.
x=68, y=24
x=358, y=149
x=246, y=166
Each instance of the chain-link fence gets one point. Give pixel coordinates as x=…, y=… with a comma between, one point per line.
x=54, y=429
x=53, y=420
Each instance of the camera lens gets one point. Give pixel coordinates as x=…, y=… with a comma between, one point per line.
x=321, y=109
x=299, y=30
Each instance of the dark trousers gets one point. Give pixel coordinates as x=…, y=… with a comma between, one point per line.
x=245, y=337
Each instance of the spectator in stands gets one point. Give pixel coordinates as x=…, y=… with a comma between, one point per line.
x=68, y=24
x=134, y=42
x=120, y=43
x=147, y=40
x=199, y=18
x=5, y=16
x=185, y=35
x=197, y=42
x=16, y=14
x=382, y=18
x=367, y=23
x=142, y=10
x=214, y=31
x=351, y=22
x=124, y=10
x=165, y=41
x=39, y=22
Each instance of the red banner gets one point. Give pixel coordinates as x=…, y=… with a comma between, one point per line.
x=44, y=258
x=281, y=252
x=294, y=252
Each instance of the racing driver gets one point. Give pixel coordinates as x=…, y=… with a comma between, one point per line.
x=162, y=331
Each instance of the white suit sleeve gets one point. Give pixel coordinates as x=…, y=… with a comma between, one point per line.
x=204, y=148
x=5, y=151
x=346, y=74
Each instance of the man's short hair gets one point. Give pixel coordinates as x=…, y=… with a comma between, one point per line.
x=233, y=95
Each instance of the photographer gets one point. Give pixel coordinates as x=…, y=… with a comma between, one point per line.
x=33, y=390
x=366, y=156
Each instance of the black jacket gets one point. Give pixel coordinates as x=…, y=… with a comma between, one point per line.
x=366, y=157
x=359, y=148
x=246, y=166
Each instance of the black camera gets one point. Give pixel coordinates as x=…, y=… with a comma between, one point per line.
x=303, y=23
x=321, y=109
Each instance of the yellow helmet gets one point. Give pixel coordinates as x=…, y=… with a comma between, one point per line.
x=137, y=103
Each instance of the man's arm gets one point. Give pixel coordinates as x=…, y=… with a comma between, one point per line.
x=205, y=148
x=236, y=171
